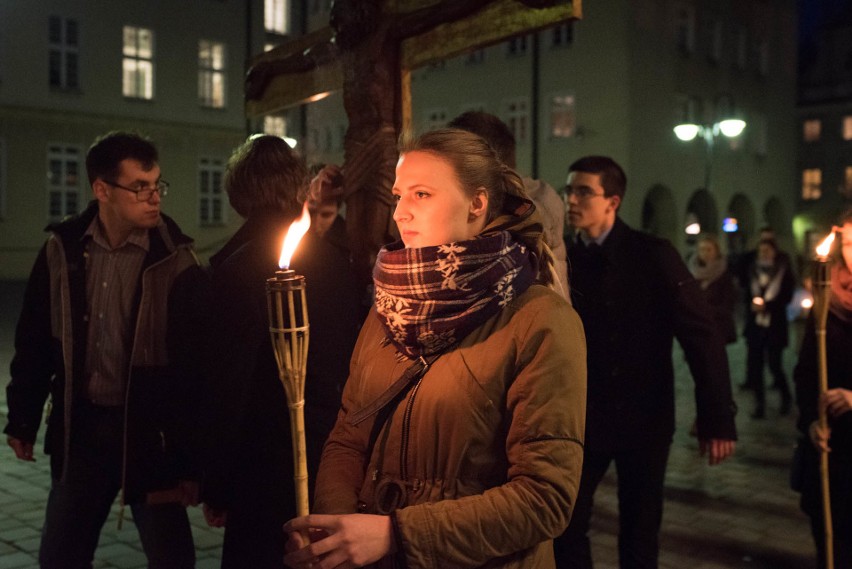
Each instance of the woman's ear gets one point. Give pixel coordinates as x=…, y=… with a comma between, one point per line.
x=478, y=205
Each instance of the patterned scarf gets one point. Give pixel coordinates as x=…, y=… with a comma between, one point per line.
x=841, y=291
x=429, y=298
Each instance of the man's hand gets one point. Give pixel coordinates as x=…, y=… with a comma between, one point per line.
x=23, y=449
x=717, y=450
x=837, y=401
x=819, y=436
x=326, y=185
x=215, y=518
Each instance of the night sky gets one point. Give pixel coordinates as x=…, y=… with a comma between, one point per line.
x=814, y=14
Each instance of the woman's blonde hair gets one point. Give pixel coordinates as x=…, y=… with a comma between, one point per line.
x=477, y=166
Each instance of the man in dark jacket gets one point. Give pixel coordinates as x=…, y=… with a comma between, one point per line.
x=248, y=475
x=634, y=295
x=105, y=331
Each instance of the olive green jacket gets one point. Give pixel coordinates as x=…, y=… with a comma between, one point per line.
x=487, y=448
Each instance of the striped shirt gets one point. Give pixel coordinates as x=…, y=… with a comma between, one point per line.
x=112, y=276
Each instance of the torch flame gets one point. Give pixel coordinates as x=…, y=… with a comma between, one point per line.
x=294, y=234
x=824, y=248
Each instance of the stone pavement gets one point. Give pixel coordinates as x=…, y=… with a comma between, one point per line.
x=737, y=515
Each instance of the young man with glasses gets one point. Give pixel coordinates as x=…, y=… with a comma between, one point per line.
x=106, y=330
x=635, y=295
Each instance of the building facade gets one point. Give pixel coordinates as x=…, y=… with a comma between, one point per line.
x=616, y=83
x=71, y=70
x=825, y=128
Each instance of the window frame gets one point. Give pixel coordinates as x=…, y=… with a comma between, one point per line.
x=521, y=130
x=148, y=88
x=213, y=194
x=276, y=17
x=208, y=72
x=811, y=188
x=65, y=52
x=62, y=152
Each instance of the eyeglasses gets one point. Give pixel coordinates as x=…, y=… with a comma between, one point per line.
x=582, y=192
x=144, y=193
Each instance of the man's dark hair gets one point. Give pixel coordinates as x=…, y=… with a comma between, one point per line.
x=265, y=174
x=613, y=178
x=492, y=129
x=107, y=152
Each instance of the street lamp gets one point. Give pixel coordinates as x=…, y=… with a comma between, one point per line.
x=729, y=127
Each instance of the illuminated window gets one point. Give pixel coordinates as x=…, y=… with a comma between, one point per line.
x=563, y=121
x=63, y=53
x=63, y=181
x=138, y=76
x=847, y=127
x=847, y=181
x=275, y=16
x=211, y=198
x=517, y=118
x=211, y=74
x=811, y=184
x=811, y=130
x=275, y=125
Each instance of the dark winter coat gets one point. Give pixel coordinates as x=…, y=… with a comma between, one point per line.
x=248, y=426
x=635, y=295
x=50, y=353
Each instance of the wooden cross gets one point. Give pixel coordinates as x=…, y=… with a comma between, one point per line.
x=369, y=51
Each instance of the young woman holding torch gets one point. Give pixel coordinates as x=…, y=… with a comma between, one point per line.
x=837, y=401
x=459, y=441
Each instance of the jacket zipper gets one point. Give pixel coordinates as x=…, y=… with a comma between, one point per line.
x=406, y=423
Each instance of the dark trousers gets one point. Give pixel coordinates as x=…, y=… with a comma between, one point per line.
x=641, y=473
x=78, y=506
x=760, y=351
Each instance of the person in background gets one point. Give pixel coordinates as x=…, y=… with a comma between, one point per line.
x=248, y=475
x=710, y=268
x=551, y=208
x=742, y=271
x=111, y=311
x=635, y=295
x=837, y=401
x=460, y=436
x=770, y=288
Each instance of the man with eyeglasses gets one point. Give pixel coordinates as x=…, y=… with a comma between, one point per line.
x=635, y=295
x=106, y=331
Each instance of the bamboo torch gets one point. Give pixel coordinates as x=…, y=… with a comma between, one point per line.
x=288, y=328
x=822, y=294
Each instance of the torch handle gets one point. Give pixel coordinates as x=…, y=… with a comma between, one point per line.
x=300, y=457
x=823, y=457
